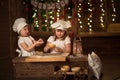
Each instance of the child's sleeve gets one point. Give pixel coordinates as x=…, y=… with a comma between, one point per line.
x=31, y=38
x=51, y=39
x=67, y=40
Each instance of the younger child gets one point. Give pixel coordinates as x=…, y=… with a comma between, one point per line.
x=26, y=43
x=60, y=42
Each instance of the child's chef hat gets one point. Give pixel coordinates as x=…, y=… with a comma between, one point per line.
x=19, y=24
x=61, y=24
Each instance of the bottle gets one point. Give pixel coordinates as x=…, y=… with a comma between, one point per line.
x=77, y=46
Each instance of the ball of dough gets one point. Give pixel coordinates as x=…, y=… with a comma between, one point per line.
x=51, y=45
x=75, y=69
x=65, y=68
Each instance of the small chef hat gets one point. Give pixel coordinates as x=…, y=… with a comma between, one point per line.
x=61, y=24
x=19, y=24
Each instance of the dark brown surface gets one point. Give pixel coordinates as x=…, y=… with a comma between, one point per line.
x=101, y=45
x=111, y=67
x=34, y=70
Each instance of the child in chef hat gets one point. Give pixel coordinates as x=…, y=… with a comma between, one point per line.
x=26, y=43
x=60, y=42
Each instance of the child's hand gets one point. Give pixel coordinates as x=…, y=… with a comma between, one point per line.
x=41, y=41
x=49, y=46
x=57, y=49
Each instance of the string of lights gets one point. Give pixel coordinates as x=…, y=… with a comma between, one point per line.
x=35, y=19
x=102, y=15
x=86, y=22
x=114, y=11
x=89, y=23
x=79, y=15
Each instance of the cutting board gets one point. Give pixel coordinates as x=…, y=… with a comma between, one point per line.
x=47, y=57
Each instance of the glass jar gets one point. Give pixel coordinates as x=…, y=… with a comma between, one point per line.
x=77, y=46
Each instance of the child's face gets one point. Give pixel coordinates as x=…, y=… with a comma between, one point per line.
x=24, y=31
x=59, y=33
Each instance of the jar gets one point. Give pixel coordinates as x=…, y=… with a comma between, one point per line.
x=77, y=47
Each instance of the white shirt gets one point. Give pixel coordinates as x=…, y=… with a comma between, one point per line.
x=28, y=41
x=59, y=43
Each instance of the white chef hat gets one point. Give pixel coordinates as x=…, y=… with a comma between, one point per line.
x=19, y=24
x=61, y=24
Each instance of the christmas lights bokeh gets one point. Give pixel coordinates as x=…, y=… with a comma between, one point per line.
x=90, y=17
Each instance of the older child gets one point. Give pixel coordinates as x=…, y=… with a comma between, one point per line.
x=60, y=42
x=26, y=43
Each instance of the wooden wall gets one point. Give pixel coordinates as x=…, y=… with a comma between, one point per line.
x=102, y=45
x=9, y=12
x=4, y=29
x=6, y=66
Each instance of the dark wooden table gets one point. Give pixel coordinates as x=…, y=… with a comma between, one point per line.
x=41, y=70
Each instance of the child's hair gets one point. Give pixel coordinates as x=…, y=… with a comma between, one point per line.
x=64, y=36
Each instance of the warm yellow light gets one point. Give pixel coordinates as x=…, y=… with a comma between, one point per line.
x=45, y=20
x=34, y=15
x=113, y=19
x=53, y=18
x=88, y=23
x=37, y=25
x=88, y=18
x=58, y=15
x=81, y=26
x=58, y=0
x=102, y=25
x=51, y=22
x=90, y=26
x=57, y=19
x=91, y=21
x=90, y=30
x=80, y=22
x=69, y=16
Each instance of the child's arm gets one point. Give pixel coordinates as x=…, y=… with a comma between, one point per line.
x=49, y=46
x=29, y=48
x=67, y=48
x=46, y=48
x=40, y=40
